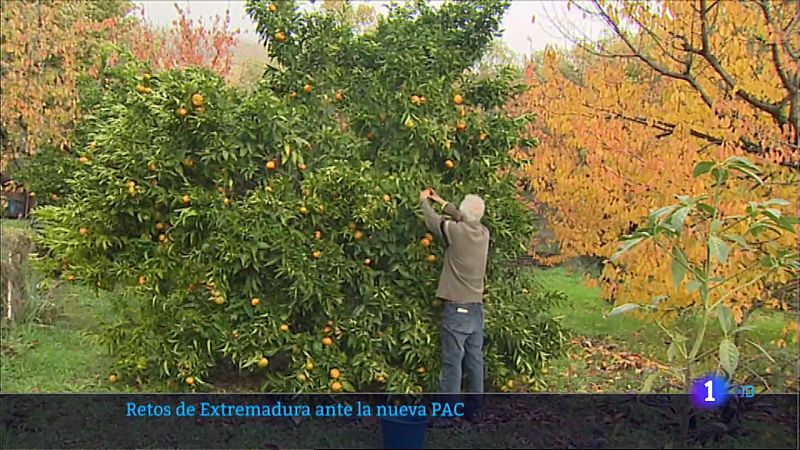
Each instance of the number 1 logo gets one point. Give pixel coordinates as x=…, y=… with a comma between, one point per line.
x=710, y=391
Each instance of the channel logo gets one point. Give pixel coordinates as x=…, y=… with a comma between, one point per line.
x=713, y=391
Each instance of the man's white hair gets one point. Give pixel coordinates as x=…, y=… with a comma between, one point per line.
x=472, y=207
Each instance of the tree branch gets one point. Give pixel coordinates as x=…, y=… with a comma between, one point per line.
x=649, y=61
x=776, y=56
x=705, y=50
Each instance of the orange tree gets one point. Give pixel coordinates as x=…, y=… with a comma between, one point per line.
x=278, y=230
x=73, y=56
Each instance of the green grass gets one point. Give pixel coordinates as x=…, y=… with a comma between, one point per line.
x=59, y=355
x=14, y=223
x=631, y=347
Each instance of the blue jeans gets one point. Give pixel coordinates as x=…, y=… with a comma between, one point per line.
x=462, y=346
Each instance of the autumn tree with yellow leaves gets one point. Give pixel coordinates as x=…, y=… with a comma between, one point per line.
x=625, y=121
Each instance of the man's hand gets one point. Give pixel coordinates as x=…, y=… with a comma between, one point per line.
x=425, y=194
x=435, y=197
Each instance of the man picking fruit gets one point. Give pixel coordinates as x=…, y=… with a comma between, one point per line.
x=461, y=284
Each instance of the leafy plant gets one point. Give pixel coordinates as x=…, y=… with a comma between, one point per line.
x=755, y=232
x=277, y=229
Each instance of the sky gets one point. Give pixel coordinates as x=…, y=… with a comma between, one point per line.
x=529, y=25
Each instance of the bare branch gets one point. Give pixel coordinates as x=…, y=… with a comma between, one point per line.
x=649, y=61
x=776, y=54
x=767, y=107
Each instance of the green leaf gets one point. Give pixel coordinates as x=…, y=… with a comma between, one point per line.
x=647, y=386
x=679, y=218
x=738, y=161
x=728, y=356
x=739, y=239
x=776, y=202
x=720, y=175
x=624, y=247
x=718, y=248
x=725, y=318
x=749, y=173
x=672, y=351
x=693, y=286
x=706, y=208
x=621, y=309
x=762, y=350
x=743, y=329
x=679, y=266
x=702, y=167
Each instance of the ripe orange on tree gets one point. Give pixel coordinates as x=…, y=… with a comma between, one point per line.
x=271, y=165
x=421, y=370
x=141, y=89
x=308, y=88
x=255, y=302
x=226, y=201
x=458, y=99
x=327, y=341
x=188, y=162
x=425, y=242
x=316, y=254
x=334, y=373
x=285, y=327
x=358, y=234
x=182, y=112
x=263, y=362
x=71, y=278
x=83, y=160
x=367, y=261
x=198, y=100
x=310, y=365
x=461, y=126
x=83, y=231
x=162, y=237
x=303, y=210
x=112, y=378
x=336, y=386
x=189, y=380
x=431, y=258
x=339, y=95
x=301, y=166
x=387, y=197
x=142, y=280
x=273, y=8
x=318, y=235
x=280, y=36
x=449, y=164
x=186, y=199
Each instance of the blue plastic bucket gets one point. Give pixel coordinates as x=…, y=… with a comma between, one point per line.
x=15, y=207
x=404, y=432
